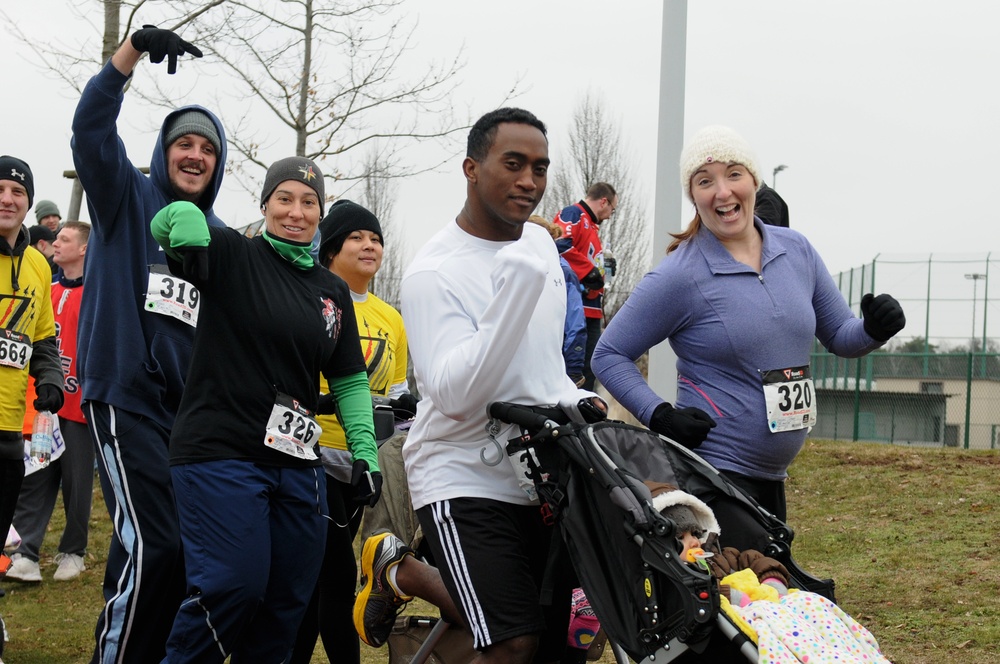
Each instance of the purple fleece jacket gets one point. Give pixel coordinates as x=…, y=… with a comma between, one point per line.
x=727, y=324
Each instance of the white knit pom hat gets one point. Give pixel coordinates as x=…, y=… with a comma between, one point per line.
x=711, y=144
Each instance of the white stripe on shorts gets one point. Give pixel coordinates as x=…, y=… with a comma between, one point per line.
x=455, y=558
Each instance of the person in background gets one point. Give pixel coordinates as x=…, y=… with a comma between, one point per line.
x=740, y=303
x=73, y=470
x=351, y=248
x=137, y=325
x=580, y=224
x=250, y=487
x=41, y=238
x=27, y=330
x=770, y=207
x=47, y=214
x=575, y=330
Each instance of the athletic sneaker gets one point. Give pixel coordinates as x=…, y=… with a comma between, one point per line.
x=379, y=602
x=70, y=566
x=24, y=570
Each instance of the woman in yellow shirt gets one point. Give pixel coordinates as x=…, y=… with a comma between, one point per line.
x=351, y=247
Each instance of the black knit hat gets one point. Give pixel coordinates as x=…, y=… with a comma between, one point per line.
x=346, y=217
x=299, y=169
x=191, y=122
x=16, y=170
x=39, y=232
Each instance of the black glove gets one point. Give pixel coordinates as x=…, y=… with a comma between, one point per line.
x=327, y=404
x=883, y=316
x=687, y=426
x=405, y=407
x=367, y=485
x=593, y=280
x=590, y=411
x=194, y=261
x=610, y=265
x=49, y=397
x=163, y=43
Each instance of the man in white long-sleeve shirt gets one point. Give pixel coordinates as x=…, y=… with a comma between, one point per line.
x=484, y=304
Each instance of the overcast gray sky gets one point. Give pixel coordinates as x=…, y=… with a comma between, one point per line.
x=886, y=113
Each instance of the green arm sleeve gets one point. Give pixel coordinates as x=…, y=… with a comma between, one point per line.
x=180, y=224
x=354, y=398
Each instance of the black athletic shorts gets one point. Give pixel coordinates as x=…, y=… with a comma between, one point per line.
x=492, y=557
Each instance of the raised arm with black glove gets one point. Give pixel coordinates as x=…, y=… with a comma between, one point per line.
x=687, y=426
x=883, y=316
x=161, y=44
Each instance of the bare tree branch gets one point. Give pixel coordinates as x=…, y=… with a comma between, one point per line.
x=330, y=72
x=378, y=194
x=598, y=152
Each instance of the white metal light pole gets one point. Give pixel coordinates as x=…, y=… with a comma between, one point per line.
x=670, y=140
x=975, y=276
x=774, y=175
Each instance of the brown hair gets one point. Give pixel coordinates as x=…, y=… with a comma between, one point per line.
x=692, y=229
x=600, y=190
x=553, y=229
x=81, y=227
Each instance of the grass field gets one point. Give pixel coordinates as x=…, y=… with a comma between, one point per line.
x=910, y=535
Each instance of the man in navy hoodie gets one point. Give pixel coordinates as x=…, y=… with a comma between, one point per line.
x=136, y=330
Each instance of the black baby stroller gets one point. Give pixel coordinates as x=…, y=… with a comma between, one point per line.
x=651, y=604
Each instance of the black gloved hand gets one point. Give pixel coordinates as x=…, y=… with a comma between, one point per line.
x=610, y=266
x=162, y=43
x=687, y=426
x=405, y=407
x=194, y=261
x=327, y=404
x=367, y=485
x=593, y=281
x=883, y=316
x=592, y=409
x=49, y=397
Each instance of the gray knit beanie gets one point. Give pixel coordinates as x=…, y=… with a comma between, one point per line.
x=299, y=169
x=45, y=209
x=716, y=143
x=192, y=122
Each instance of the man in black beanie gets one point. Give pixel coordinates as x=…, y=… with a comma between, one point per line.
x=28, y=343
x=41, y=238
x=134, y=351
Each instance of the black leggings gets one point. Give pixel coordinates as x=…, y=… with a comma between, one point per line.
x=330, y=613
x=769, y=494
x=11, y=477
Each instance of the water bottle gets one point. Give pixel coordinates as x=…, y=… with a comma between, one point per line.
x=41, y=438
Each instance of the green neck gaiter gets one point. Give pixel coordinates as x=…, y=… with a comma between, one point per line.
x=296, y=253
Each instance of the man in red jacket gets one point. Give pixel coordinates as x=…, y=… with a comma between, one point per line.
x=581, y=247
x=74, y=467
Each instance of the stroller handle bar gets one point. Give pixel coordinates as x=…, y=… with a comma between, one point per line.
x=532, y=418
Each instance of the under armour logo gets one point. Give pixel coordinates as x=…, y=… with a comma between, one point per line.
x=14, y=172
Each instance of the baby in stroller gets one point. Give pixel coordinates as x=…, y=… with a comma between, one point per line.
x=787, y=625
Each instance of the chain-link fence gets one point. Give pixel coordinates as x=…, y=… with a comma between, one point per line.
x=927, y=399
x=950, y=300
x=938, y=382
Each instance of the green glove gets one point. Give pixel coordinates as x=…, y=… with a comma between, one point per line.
x=182, y=231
